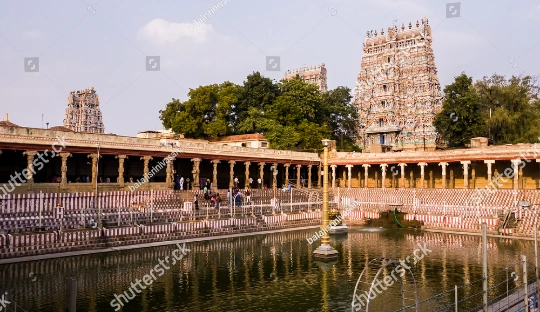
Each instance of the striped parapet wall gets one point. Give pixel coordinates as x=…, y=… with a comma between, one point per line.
x=355, y=215
x=31, y=241
x=79, y=237
x=122, y=231
x=2, y=241
x=246, y=221
x=159, y=228
x=275, y=220
x=491, y=222
x=189, y=227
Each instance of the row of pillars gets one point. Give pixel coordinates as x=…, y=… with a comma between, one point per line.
x=247, y=164
x=29, y=171
x=516, y=172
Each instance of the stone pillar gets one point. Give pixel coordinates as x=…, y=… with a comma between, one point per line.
x=489, y=163
x=349, y=175
x=169, y=180
x=443, y=166
x=422, y=176
x=402, y=165
x=29, y=172
x=411, y=179
x=344, y=178
x=63, y=181
x=309, y=176
x=430, y=179
x=466, y=164
x=195, y=172
x=95, y=168
x=333, y=175
x=515, y=164
x=274, y=176
x=521, y=184
x=452, y=182
x=121, y=159
x=473, y=175
x=383, y=175
x=366, y=166
x=231, y=173
x=246, y=184
x=215, y=162
x=298, y=168
x=319, y=176
x=359, y=178
x=261, y=173
x=286, y=173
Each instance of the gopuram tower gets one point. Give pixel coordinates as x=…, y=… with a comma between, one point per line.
x=397, y=92
x=83, y=113
x=311, y=74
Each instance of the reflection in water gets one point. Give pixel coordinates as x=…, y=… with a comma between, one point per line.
x=274, y=272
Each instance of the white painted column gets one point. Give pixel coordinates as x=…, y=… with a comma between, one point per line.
x=466, y=164
x=515, y=164
x=366, y=166
x=489, y=174
x=349, y=175
x=443, y=167
x=333, y=175
x=422, y=166
x=383, y=175
x=402, y=182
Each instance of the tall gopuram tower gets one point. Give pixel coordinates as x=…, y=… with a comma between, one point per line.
x=397, y=91
x=311, y=74
x=83, y=113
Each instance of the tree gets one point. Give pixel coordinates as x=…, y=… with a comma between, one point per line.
x=258, y=93
x=460, y=118
x=341, y=116
x=510, y=108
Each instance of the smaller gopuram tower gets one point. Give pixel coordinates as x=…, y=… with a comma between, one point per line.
x=311, y=74
x=83, y=113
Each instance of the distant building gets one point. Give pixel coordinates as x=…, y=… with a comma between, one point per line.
x=315, y=75
x=255, y=140
x=397, y=92
x=83, y=113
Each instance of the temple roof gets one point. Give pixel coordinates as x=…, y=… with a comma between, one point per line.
x=61, y=128
x=240, y=137
x=7, y=123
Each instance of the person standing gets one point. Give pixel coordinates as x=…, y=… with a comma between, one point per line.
x=218, y=201
x=250, y=182
x=196, y=202
x=248, y=196
x=260, y=182
x=236, y=181
x=181, y=182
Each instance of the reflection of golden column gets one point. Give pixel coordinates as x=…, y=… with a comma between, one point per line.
x=325, y=251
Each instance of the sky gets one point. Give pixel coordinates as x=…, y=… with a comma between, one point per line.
x=106, y=44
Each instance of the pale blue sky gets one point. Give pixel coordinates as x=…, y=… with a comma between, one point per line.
x=107, y=49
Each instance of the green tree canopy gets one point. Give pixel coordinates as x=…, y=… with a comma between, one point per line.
x=460, y=118
x=292, y=114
